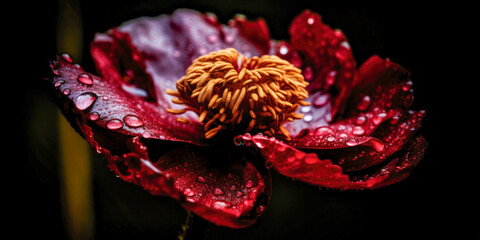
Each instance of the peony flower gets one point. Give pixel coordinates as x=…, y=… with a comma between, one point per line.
x=201, y=112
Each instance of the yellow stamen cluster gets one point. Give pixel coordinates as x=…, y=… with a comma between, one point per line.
x=228, y=90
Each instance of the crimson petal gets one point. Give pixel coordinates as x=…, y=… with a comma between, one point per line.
x=308, y=167
x=327, y=59
x=104, y=102
x=228, y=192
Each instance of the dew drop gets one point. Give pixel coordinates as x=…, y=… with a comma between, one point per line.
x=377, y=119
x=308, y=73
x=59, y=83
x=93, y=116
x=407, y=86
x=311, y=21
x=212, y=38
x=239, y=194
x=66, y=91
x=308, y=117
x=283, y=50
x=330, y=77
x=321, y=100
x=249, y=184
x=352, y=142
x=360, y=120
x=133, y=121
x=147, y=134
x=85, y=79
x=200, y=179
x=220, y=204
x=363, y=105
x=114, y=124
x=305, y=109
x=85, y=100
x=358, y=130
x=331, y=138
x=188, y=192
x=105, y=98
x=67, y=57
x=217, y=191
x=324, y=131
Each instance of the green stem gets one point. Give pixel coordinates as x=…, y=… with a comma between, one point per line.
x=194, y=228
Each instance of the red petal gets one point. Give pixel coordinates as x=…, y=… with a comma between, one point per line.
x=381, y=84
x=255, y=31
x=392, y=134
x=308, y=167
x=228, y=192
x=104, y=102
x=327, y=59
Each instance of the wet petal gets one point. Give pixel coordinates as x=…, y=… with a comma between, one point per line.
x=382, y=84
x=308, y=167
x=228, y=192
x=393, y=135
x=325, y=57
x=87, y=99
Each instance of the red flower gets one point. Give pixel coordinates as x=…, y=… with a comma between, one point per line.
x=357, y=133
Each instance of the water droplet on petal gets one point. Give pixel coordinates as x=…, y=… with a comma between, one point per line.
x=114, y=124
x=360, y=120
x=94, y=116
x=308, y=117
x=212, y=38
x=147, y=134
x=283, y=50
x=249, y=184
x=352, y=142
x=217, y=191
x=66, y=91
x=67, y=57
x=305, y=109
x=188, y=192
x=330, y=77
x=239, y=194
x=324, y=131
x=310, y=20
x=85, y=79
x=220, y=204
x=407, y=86
x=200, y=179
x=133, y=121
x=321, y=100
x=377, y=119
x=364, y=103
x=358, y=130
x=59, y=83
x=331, y=138
x=85, y=100
x=308, y=73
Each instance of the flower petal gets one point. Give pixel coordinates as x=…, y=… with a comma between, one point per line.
x=382, y=84
x=228, y=192
x=88, y=99
x=308, y=167
x=326, y=57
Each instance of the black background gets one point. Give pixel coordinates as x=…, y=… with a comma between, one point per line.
x=430, y=203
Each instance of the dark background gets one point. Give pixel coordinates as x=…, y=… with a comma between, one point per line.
x=427, y=204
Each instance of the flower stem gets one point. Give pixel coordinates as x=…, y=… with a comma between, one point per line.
x=194, y=228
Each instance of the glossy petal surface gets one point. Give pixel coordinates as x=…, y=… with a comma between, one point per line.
x=308, y=167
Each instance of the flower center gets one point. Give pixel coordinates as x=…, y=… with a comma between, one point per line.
x=229, y=91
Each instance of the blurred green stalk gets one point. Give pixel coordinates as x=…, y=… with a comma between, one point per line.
x=75, y=162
